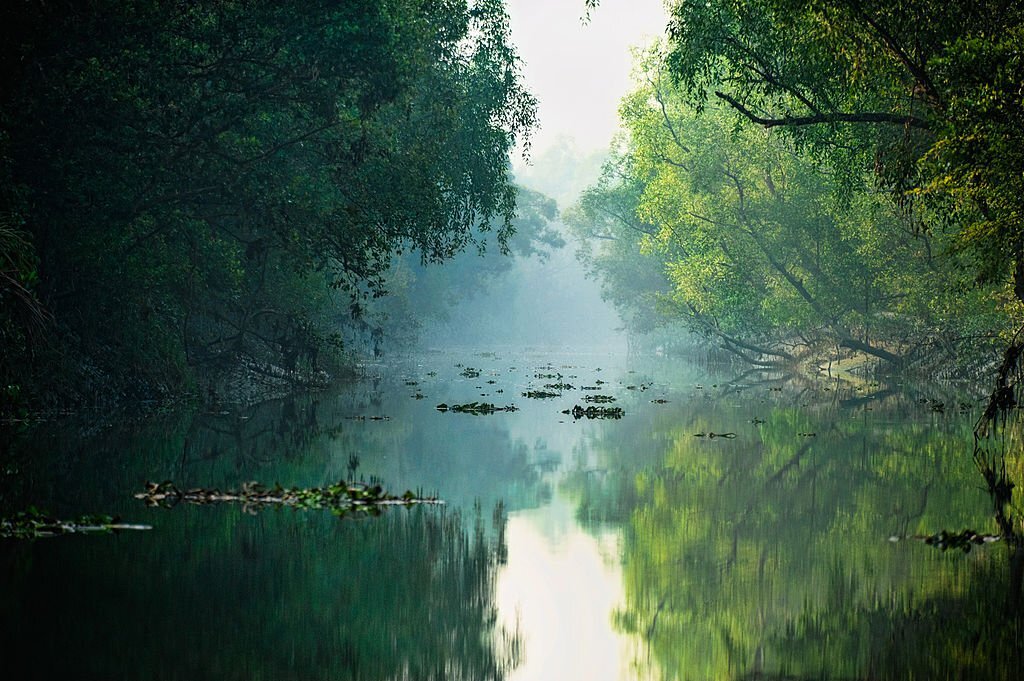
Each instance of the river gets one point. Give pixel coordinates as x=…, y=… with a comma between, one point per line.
x=724, y=526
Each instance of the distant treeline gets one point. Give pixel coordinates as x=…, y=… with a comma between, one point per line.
x=184, y=184
x=800, y=175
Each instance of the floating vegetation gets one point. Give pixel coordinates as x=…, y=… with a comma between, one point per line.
x=599, y=399
x=470, y=372
x=540, y=394
x=711, y=436
x=34, y=524
x=340, y=498
x=475, y=408
x=579, y=412
x=559, y=386
x=964, y=540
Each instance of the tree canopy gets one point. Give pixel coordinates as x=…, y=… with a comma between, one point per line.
x=866, y=154
x=763, y=246
x=925, y=93
x=195, y=181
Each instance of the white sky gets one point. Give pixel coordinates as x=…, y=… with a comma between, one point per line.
x=580, y=72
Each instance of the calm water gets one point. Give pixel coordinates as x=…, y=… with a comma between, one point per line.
x=632, y=548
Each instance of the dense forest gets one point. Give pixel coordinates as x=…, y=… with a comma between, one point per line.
x=187, y=187
x=797, y=176
x=191, y=189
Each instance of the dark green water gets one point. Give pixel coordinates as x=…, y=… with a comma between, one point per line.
x=624, y=548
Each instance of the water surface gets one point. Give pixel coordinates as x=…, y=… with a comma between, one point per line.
x=725, y=527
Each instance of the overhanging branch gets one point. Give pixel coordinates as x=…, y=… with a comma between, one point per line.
x=825, y=118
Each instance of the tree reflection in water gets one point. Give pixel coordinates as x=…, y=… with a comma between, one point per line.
x=767, y=556
x=216, y=593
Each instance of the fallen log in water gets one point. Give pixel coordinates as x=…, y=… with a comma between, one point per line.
x=34, y=524
x=340, y=497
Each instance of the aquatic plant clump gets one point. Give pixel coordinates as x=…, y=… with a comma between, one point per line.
x=540, y=394
x=964, y=540
x=341, y=498
x=475, y=408
x=579, y=412
x=34, y=524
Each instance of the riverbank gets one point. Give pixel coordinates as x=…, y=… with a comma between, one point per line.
x=73, y=386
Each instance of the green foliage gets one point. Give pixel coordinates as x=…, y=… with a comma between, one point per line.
x=199, y=181
x=924, y=94
x=606, y=222
x=23, y=319
x=767, y=250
